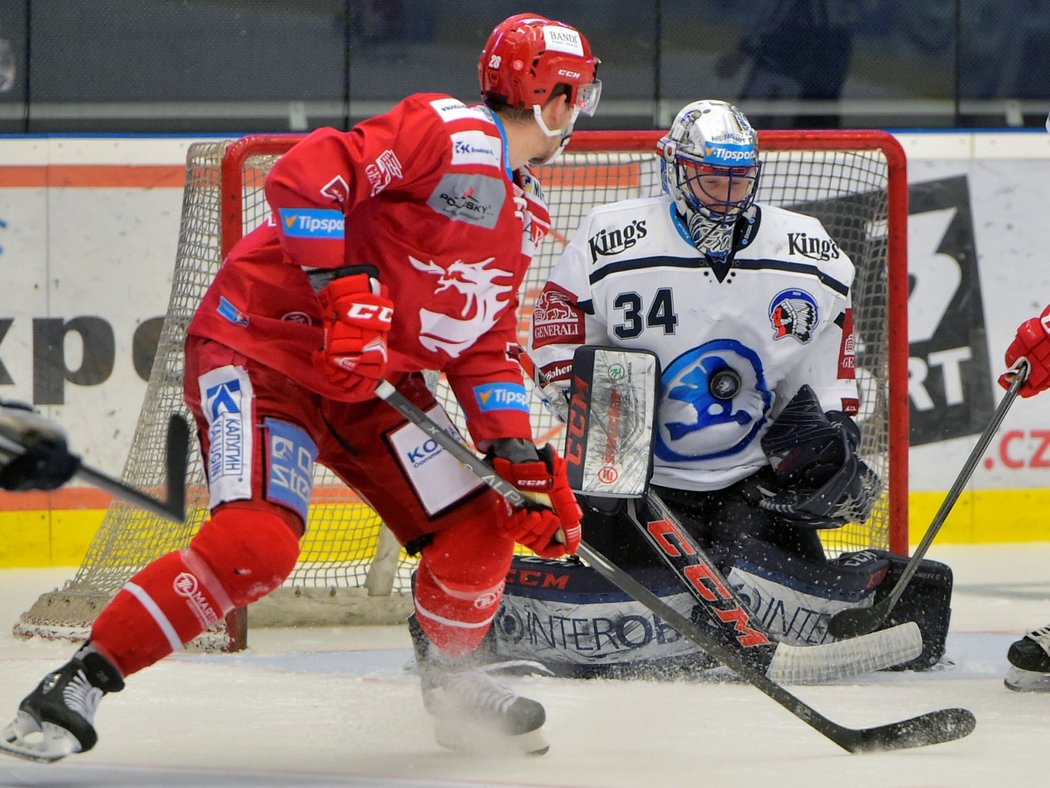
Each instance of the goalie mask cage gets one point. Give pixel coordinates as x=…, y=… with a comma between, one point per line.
x=351, y=570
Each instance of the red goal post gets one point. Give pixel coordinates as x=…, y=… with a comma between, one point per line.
x=351, y=570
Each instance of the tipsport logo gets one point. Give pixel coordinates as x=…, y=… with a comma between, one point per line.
x=501, y=396
x=729, y=155
x=312, y=223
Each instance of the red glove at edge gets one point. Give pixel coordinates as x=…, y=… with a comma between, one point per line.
x=357, y=317
x=1033, y=343
x=546, y=481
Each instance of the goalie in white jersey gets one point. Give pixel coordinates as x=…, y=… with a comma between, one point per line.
x=747, y=307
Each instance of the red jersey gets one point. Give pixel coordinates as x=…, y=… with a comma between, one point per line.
x=424, y=193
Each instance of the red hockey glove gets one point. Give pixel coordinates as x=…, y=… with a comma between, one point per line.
x=1032, y=343
x=549, y=533
x=357, y=317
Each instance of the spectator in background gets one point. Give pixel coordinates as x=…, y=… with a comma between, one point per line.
x=8, y=66
x=796, y=49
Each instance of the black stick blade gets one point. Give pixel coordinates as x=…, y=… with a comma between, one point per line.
x=853, y=622
x=935, y=727
x=177, y=456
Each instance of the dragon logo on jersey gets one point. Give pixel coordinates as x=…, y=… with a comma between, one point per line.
x=467, y=302
x=793, y=313
x=697, y=421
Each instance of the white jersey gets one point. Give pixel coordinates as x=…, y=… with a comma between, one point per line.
x=735, y=339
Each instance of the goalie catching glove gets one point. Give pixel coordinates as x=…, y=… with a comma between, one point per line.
x=540, y=474
x=357, y=315
x=823, y=483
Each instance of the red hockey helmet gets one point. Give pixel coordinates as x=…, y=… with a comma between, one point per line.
x=528, y=56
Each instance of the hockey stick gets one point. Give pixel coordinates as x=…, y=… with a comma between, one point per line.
x=931, y=728
x=851, y=623
x=729, y=616
x=176, y=448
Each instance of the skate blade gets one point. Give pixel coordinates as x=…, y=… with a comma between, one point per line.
x=1027, y=681
x=43, y=743
x=464, y=737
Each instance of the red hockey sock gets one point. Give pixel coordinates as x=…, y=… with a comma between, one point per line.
x=165, y=605
x=459, y=585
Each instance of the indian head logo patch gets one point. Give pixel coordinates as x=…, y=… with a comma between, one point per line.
x=793, y=313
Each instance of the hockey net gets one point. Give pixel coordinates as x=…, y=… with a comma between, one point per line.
x=351, y=569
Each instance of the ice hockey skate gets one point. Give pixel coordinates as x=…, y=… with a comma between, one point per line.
x=472, y=711
x=57, y=718
x=1030, y=662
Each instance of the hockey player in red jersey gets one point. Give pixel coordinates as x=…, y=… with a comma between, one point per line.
x=1030, y=656
x=393, y=248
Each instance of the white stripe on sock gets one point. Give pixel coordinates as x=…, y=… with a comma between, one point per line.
x=158, y=615
x=200, y=568
x=448, y=622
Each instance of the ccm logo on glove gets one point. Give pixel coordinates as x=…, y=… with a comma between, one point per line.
x=370, y=312
x=357, y=315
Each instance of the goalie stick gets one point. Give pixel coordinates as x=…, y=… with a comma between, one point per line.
x=729, y=616
x=176, y=448
x=851, y=623
x=932, y=727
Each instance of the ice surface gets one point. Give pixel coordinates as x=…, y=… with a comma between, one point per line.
x=315, y=707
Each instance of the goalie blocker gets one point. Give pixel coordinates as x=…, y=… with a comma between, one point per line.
x=569, y=619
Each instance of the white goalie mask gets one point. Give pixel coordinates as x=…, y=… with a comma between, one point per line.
x=710, y=169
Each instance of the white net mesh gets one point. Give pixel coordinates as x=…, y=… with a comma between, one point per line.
x=351, y=570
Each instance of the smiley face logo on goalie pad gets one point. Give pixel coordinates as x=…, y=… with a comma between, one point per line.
x=714, y=402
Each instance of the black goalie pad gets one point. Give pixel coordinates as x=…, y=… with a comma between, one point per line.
x=926, y=601
x=823, y=483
